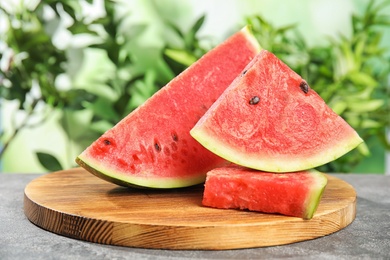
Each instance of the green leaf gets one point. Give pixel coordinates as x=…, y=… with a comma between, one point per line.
x=286, y=28
x=142, y=90
x=368, y=123
x=49, y=161
x=338, y=107
x=78, y=28
x=101, y=126
x=382, y=20
x=102, y=107
x=198, y=24
x=190, y=40
x=361, y=78
x=359, y=48
x=363, y=149
x=364, y=94
x=175, y=28
x=353, y=119
x=366, y=106
x=181, y=56
x=74, y=98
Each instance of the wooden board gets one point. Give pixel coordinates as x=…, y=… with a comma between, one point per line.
x=75, y=203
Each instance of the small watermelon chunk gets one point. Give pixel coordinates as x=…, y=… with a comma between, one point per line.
x=294, y=194
x=151, y=147
x=270, y=119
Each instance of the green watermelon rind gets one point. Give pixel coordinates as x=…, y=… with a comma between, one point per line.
x=316, y=191
x=126, y=180
x=246, y=30
x=279, y=164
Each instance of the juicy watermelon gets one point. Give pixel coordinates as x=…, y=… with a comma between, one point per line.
x=293, y=194
x=270, y=119
x=152, y=147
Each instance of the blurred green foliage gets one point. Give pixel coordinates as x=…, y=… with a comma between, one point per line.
x=33, y=64
x=350, y=73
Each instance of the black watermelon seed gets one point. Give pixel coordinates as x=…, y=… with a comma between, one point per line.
x=254, y=100
x=107, y=142
x=157, y=147
x=244, y=72
x=175, y=137
x=304, y=87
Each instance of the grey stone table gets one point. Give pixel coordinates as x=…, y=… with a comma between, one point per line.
x=367, y=237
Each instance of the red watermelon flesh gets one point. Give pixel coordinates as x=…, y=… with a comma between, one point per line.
x=152, y=147
x=293, y=194
x=270, y=119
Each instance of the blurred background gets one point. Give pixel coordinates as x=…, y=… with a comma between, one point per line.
x=69, y=70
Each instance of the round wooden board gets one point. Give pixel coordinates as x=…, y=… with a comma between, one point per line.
x=75, y=203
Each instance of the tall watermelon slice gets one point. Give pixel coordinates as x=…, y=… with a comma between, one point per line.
x=152, y=147
x=270, y=119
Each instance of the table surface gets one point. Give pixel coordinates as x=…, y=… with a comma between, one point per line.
x=367, y=237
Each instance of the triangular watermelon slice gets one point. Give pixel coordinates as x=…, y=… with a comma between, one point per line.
x=270, y=119
x=152, y=147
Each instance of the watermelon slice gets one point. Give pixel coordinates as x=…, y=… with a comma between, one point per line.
x=292, y=194
x=152, y=147
x=270, y=119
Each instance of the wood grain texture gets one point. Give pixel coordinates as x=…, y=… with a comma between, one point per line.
x=76, y=204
